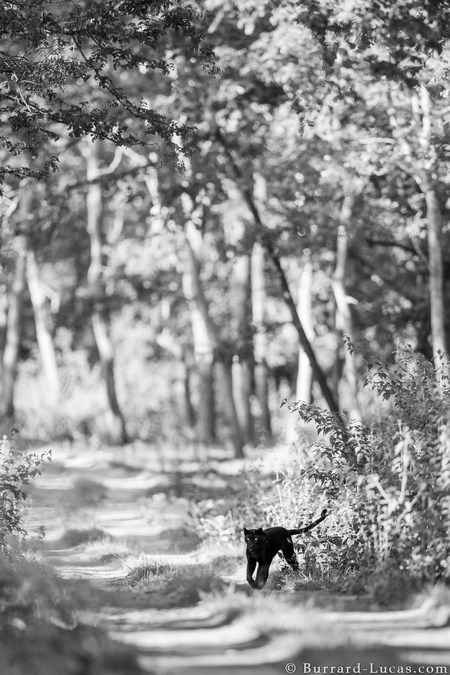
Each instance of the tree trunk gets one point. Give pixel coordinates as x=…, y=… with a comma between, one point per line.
x=259, y=300
x=242, y=369
x=203, y=337
x=437, y=304
x=3, y=321
x=169, y=343
x=434, y=231
x=224, y=365
x=115, y=425
x=206, y=340
x=13, y=329
x=191, y=417
x=344, y=322
x=43, y=327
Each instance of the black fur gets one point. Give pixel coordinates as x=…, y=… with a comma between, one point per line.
x=262, y=546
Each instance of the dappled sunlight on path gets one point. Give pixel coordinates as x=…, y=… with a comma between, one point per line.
x=103, y=517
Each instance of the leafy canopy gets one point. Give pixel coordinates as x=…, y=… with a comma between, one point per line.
x=72, y=66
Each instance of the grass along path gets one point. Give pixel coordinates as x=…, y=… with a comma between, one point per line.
x=135, y=567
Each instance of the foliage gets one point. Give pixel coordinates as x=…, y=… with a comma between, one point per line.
x=395, y=40
x=40, y=631
x=16, y=471
x=392, y=477
x=171, y=585
x=33, y=593
x=386, y=486
x=87, y=492
x=309, y=99
x=55, y=51
x=224, y=518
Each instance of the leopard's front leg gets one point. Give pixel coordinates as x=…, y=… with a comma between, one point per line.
x=251, y=565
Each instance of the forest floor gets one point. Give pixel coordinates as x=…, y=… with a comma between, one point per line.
x=125, y=550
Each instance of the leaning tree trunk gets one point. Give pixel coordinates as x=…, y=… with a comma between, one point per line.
x=115, y=425
x=259, y=302
x=13, y=330
x=266, y=241
x=344, y=322
x=43, y=324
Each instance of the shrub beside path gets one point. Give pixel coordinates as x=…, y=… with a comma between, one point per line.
x=135, y=570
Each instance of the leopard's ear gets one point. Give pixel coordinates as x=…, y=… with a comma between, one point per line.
x=260, y=530
x=245, y=530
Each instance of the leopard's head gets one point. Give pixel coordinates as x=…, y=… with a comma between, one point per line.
x=255, y=539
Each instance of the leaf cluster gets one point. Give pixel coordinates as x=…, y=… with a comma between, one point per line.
x=63, y=66
x=16, y=471
x=395, y=39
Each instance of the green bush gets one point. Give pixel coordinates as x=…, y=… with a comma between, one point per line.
x=16, y=470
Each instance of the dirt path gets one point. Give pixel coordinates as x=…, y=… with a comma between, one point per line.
x=239, y=633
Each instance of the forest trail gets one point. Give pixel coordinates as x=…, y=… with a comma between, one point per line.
x=207, y=636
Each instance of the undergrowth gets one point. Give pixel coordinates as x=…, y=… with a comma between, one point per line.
x=388, y=483
x=40, y=631
x=170, y=585
x=17, y=469
x=386, y=486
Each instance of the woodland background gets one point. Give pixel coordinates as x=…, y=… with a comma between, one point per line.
x=142, y=301
x=225, y=228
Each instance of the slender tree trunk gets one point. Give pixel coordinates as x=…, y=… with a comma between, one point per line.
x=242, y=370
x=169, y=343
x=223, y=366
x=43, y=327
x=191, y=418
x=115, y=425
x=259, y=301
x=344, y=322
x=3, y=322
x=206, y=340
x=434, y=231
x=437, y=303
x=13, y=330
x=427, y=183
x=203, y=338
